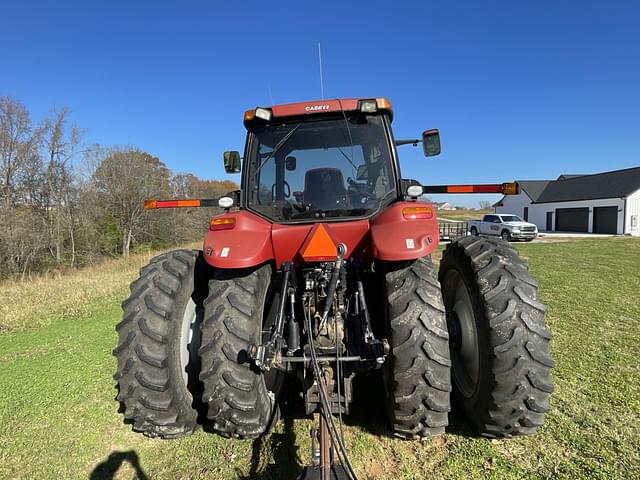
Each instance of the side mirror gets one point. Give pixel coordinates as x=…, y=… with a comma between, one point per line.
x=431, y=142
x=362, y=173
x=232, y=162
x=290, y=163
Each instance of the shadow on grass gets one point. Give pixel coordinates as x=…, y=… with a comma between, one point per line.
x=284, y=453
x=367, y=412
x=107, y=470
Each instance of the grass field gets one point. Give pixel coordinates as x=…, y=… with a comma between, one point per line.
x=462, y=214
x=58, y=417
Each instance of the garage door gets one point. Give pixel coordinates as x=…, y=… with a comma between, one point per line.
x=605, y=220
x=572, y=220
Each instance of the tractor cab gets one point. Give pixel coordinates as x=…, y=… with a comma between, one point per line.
x=328, y=160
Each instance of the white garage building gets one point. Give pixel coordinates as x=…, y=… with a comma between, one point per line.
x=607, y=202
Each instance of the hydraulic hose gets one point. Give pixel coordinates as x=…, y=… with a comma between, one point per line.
x=333, y=282
x=333, y=430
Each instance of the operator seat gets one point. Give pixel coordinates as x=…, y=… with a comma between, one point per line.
x=324, y=189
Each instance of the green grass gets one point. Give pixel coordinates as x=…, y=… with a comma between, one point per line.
x=462, y=214
x=58, y=417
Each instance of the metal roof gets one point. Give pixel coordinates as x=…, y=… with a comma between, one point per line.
x=572, y=187
x=533, y=188
x=614, y=184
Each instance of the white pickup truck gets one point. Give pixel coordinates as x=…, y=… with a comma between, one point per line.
x=507, y=226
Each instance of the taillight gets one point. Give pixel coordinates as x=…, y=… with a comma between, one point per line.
x=415, y=213
x=224, y=223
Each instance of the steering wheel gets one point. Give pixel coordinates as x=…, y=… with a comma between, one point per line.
x=359, y=192
x=287, y=191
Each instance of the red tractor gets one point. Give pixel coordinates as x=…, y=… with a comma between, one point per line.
x=320, y=269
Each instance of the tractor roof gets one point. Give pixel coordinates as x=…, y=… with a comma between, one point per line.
x=318, y=107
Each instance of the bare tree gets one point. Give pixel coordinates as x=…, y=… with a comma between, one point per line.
x=54, y=209
x=18, y=145
x=123, y=181
x=61, y=143
x=485, y=205
x=19, y=170
x=190, y=224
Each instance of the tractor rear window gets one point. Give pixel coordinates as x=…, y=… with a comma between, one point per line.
x=320, y=169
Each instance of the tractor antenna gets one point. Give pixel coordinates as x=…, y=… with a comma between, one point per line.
x=270, y=95
x=321, y=81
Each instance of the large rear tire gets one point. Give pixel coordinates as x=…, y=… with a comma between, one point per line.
x=241, y=403
x=417, y=373
x=499, y=340
x=158, y=366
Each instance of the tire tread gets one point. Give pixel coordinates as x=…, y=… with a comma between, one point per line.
x=520, y=376
x=420, y=363
x=149, y=395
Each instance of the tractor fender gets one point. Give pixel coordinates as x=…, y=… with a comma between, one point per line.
x=396, y=237
x=242, y=244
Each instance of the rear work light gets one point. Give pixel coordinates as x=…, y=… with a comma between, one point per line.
x=262, y=113
x=376, y=105
x=225, y=223
x=368, y=106
x=225, y=202
x=417, y=213
x=414, y=190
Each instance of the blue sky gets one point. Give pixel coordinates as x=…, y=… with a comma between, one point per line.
x=519, y=90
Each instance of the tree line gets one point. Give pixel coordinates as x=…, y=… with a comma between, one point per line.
x=64, y=203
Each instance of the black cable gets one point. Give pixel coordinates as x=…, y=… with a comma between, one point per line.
x=318, y=374
x=339, y=378
x=342, y=453
x=333, y=431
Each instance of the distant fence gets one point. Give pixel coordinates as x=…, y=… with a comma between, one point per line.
x=452, y=230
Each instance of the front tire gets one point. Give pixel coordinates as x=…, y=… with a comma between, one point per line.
x=241, y=403
x=417, y=373
x=506, y=236
x=499, y=340
x=157, y=373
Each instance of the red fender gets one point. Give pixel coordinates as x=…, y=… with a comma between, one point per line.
x=251, y=240
x=395, y=237
x=244, y=244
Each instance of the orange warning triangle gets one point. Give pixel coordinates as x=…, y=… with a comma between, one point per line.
x=319, y=245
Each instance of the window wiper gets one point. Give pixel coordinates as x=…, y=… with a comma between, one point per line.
x=278, y=146
x=348, y=159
